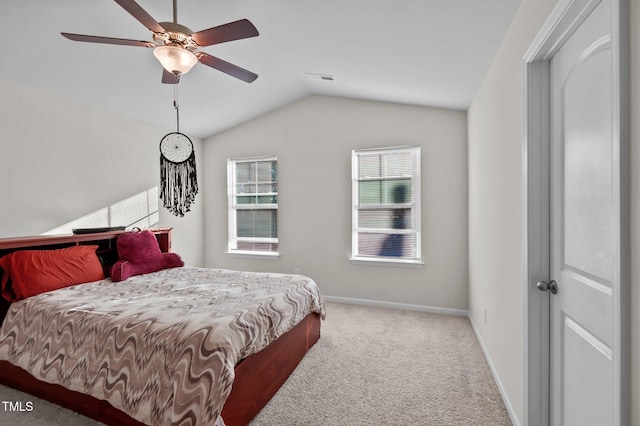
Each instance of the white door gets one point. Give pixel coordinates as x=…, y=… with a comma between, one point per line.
x=583, y=231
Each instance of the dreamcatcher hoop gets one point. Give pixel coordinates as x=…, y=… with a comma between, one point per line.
x=178, y=175
x=176, y=147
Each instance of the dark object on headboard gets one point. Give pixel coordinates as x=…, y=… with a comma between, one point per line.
x=98, y=230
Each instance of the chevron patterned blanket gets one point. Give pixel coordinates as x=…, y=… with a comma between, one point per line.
x=161, y=347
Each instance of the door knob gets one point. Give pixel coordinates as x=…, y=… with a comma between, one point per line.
x=551, y=286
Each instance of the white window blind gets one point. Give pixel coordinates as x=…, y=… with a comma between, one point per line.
x=253, y=205
x=386, y=204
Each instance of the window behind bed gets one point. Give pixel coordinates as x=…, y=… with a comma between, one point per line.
x=253, y=205
x=386, y=205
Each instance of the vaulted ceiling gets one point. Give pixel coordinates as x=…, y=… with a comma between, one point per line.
x=420, y=52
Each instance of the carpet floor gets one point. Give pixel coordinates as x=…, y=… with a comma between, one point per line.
x=372, y=366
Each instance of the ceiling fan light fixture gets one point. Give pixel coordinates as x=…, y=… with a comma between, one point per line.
x=175, y=59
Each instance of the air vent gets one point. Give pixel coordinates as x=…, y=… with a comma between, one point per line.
x=315, y=76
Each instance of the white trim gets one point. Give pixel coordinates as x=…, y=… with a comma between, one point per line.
x=387, y=261
x=254, y=254
x=233, y=208
x=414, y=205
x=622, y=124
x=395, y=305
x=535, y=209
x=251, y=159
x=565, y=18
x=386, y=149
x=505, y=397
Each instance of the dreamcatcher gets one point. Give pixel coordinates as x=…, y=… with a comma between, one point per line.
x=178, y=177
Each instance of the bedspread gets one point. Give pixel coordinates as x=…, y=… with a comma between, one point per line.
x=161, y=347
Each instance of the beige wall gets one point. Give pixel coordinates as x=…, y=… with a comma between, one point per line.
x=313, y=139
x=61, y=160
x=495, y=121
x=495, y=204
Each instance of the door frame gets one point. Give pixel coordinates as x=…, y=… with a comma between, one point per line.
x=564, y=19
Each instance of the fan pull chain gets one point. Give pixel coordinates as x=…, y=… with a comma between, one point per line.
x=177, y=107
x=175, y=11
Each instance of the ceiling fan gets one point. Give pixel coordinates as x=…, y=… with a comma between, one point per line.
x=175, y=45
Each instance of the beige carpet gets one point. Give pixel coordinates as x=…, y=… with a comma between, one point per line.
x=375, y=366
x=372, y=366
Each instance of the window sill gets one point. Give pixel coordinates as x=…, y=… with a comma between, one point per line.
x=254, y=254
x=385, y=261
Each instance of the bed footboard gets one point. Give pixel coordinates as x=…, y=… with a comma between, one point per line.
x=259, y=376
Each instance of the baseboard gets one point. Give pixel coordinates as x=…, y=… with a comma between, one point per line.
x=496, y=378
x=437, y=310
x=394, y=305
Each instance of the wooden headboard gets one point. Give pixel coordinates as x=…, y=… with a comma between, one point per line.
x=106, y=241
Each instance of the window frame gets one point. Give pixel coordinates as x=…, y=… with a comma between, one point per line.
x=233, y=207
x=414, y=205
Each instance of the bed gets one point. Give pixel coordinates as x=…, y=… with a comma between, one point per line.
x=158, y=347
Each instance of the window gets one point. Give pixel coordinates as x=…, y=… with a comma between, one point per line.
x=386, y=204
x=253, y=205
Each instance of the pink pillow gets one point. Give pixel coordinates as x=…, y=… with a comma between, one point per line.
x=31, y=272
x=139, y=253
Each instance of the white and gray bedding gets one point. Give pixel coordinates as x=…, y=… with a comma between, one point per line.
x=161, y=347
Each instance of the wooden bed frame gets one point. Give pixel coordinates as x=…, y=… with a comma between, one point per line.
x=258, y=377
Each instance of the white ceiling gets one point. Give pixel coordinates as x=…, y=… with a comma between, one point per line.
x=422, y=52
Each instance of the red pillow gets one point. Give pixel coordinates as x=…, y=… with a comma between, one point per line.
x=140, y=253
x=31, y=272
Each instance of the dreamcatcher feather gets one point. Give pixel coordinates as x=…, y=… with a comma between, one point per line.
x=178, y=176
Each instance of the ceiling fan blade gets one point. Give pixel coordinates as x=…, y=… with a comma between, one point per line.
x=107, y=40
x=232, y=31
x=226, y=67
x=141, y=15
x=169, y=77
